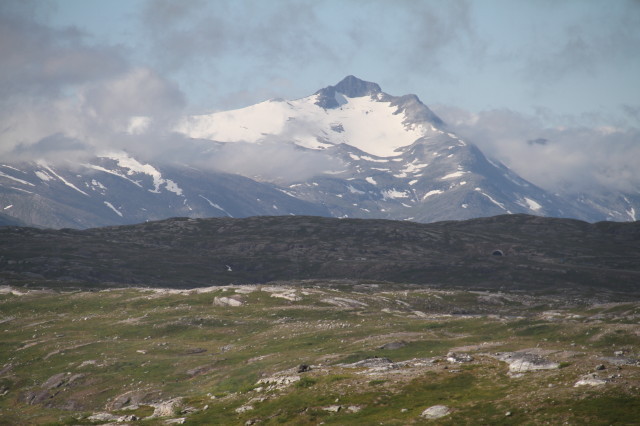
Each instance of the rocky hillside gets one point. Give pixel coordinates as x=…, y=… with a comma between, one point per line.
x=317, y=353
x=502, y=252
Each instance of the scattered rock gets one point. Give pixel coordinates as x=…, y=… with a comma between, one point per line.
x=127, y=399
x=394, y=345
x=5, y=369
x=226, y=301
x=436, y=412
x=291, y=296
x=619, y=360
x=523, y=361
x=102, y=417
x=197, y=371
x=354, y=408
x=600, y=367
x=590, y=380
x=374, y=363
x=178, y=421
x=88, y=362
x=459, y=358
x=166, y=408
x=333, y=408
x=303, y=368
x=36, y=397
x=278, y=381
x=55, y=381
x=508, y=414
x=108, y=417
x=244, y=409
x=344, y=302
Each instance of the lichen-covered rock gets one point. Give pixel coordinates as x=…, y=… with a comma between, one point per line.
x=523, y=361
x=590, y=380
x=226, y=301
x=436, y=411
x=459, y=358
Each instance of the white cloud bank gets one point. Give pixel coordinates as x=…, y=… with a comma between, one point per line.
x=557, y=158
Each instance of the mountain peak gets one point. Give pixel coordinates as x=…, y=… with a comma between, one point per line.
x=353, y=87
x=350, y=86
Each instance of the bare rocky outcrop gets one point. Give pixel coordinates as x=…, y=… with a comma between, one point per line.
x=166, y=408
x=227, y=301
x=436, y=412
x=526, y=360
x=590, y=380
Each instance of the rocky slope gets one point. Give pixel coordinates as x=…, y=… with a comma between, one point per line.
x=318, y=352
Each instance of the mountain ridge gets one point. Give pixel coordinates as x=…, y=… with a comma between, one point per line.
x=511, y=252
x=362, y=154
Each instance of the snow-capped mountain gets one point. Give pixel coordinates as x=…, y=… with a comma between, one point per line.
x=350, y=150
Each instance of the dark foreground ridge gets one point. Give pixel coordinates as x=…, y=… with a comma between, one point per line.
x=511, y=252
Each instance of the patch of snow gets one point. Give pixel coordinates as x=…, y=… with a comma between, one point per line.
x=66, y=182
x=394, y=193
x=214, y=205
x=354, y=191
x=464, y=206
x=413, y=182
x=24, y=182
x=43, y=176
x=286, y=192
x=371, y=125
x=112, y=172
x=414, y=167
x=11, y=167
x=8, y=207
x=108, y=204
x=354, y=157
x=533, y=205
x=20, y=189
x=453, y=175
x=433, y=192
x=97, y=184
x=135, y=166
x=371, y=180
x=497, y=203
x=375, y=160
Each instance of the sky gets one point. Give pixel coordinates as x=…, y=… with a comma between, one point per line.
x=549, y=87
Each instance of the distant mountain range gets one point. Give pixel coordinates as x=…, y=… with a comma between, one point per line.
x=349, y=150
